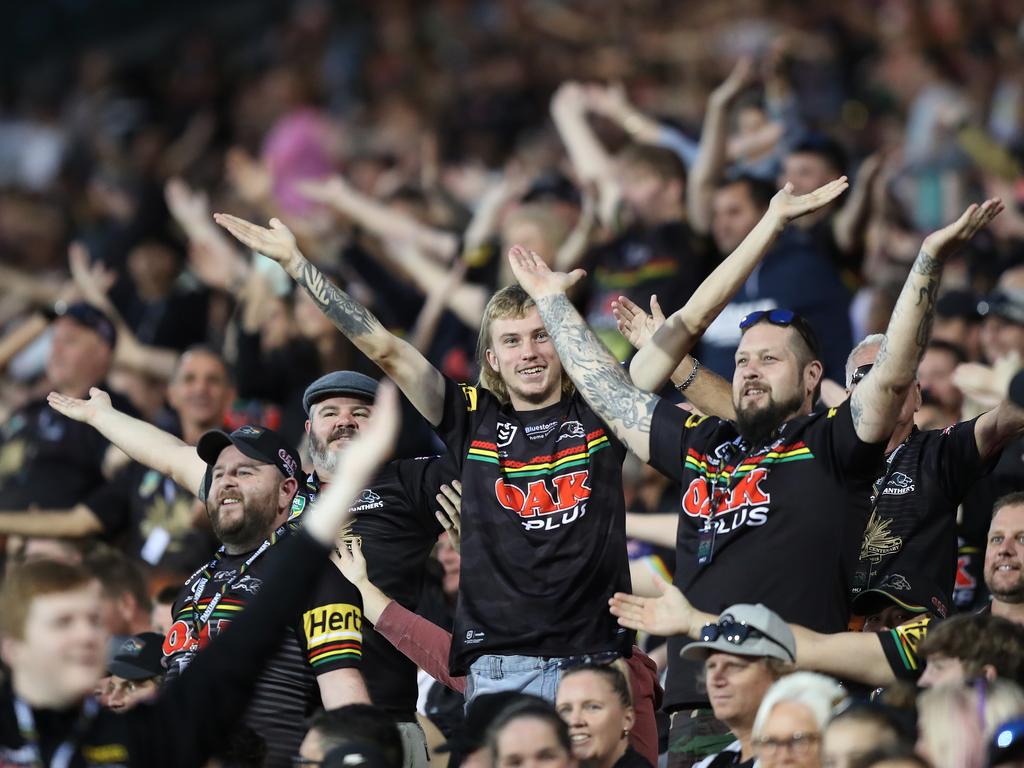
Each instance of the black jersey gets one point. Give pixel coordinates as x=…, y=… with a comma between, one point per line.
x=785, y=526
x=543, y=528
x=911, y=537
x=325, y=634
x=395, y=518
x=153, y=517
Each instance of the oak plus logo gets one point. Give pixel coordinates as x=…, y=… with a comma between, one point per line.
x=546, y=504
x=745, y=504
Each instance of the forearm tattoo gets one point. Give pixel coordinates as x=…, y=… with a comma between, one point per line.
x=603, y=383
x=930, y=268
x=348, y=315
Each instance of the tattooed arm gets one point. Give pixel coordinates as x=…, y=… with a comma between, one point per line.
x=604, y=383
x=411, y=371
x=877, y=400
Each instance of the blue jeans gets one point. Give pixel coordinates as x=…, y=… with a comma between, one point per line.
x=526, y=674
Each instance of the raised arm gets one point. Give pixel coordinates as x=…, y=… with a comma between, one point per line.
x=73, y=523
x=379, y=219
x=142, y=441
x=877, y=399
x=658, y=359
x=711, y=156
x=856, y=656
x=410, y=370
x=598, y=376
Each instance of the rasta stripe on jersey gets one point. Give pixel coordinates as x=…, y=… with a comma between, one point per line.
x=333, y=652
x=654, y=269
x=228, y=608
x=906, y=638
x=576, y=456
x=781, y=455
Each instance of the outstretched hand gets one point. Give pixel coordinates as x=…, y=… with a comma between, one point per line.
x=450, y=514
x=81, y=410
x=944, y=242
x=536, y=277
x=742, y=75
x=635, y=325
x=329, y=191
x=94, y=281
x=277, y=242
x=788, y=206
x=666, y=615
x=987, y=385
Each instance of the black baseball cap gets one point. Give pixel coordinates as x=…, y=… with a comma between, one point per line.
x=90, y=317
x=1005, y=303
x=896, y=589
x=258, y=443
x=338, y=383
x=139, y=657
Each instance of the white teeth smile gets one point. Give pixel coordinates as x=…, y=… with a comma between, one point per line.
x=580, y=737
x=531, y=371
x=229, y=501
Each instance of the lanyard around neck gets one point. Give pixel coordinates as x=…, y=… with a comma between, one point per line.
x=66, y=749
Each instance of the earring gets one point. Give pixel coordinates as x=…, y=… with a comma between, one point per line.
x=625, y=733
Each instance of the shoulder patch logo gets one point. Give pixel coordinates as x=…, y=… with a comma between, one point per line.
x=471, y=396
x=693, y=420
x=831, y=412
x=506, y=432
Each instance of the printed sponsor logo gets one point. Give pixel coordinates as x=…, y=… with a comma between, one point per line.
x=288, y=461
x=543, y=501
x=248, y=584
x=571, y=429
x=105, y=754
x=474, y=637
x=506, y=432
x=540, y=431
x=298, y=504
x=330, y=623
x=747, y=503
x=368, y=499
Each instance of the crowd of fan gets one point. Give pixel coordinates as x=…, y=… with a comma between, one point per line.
x=372, y=170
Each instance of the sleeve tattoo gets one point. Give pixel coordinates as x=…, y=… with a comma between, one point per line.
x=599, y=377
x=347, y=314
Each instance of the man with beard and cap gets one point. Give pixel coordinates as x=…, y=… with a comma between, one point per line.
x=396, y=523
x=248, y=480
x=773, y=504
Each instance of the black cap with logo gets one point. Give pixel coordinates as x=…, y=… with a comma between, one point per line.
x=139, y=657
x=264, y=445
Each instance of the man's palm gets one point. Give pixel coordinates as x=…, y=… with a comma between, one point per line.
x=536, y=277
x=277, y=242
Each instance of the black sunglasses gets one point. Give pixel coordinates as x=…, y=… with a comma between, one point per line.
x=737, y=633
x=786, y=318
x=860, y=372
x=601, y=659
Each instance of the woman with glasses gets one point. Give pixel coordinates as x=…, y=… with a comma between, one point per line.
x=791, y=719
x=595, y=702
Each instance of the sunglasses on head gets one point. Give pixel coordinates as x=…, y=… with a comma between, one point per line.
x=860, y=372
x=786, y=318
x=737, y=633
x=600, y=659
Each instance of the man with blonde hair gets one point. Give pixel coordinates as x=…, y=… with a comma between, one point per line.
x=543, y=532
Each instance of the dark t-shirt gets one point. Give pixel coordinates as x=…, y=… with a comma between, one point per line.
x=668, y=260
x=49, y=460
x=543, y=528
x=154, y=515
x=325, y=635
x=787, y=529
x=395, y=518
x=911, y=537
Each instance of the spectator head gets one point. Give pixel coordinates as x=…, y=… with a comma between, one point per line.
x=81, y=350
x=537, y=227
x=126, y=602
x=596, y=704
x=136, y=671
x=744, y=654
x=970, y=646
x=337, y=404
x=1004, y=550
x=161, y=618
x=529, y=735
x=154, y=264
x=895, y=600
x=200, y=389
x=353, y=724
x=250, y=482
x=1002, y=326
x=956, y=720
x=935, y=372
x=778, y=372
x=518, y=361
x=467, y=746
x=70, y=551
x=739, y=203
x=355, y=753
x=244, y=748
x=653, y=181
x=957, y=320
x=860, y=727
x=813, y=162
x=792, y=718
x=859, y=364
x=52, y=634
x=894, y=756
